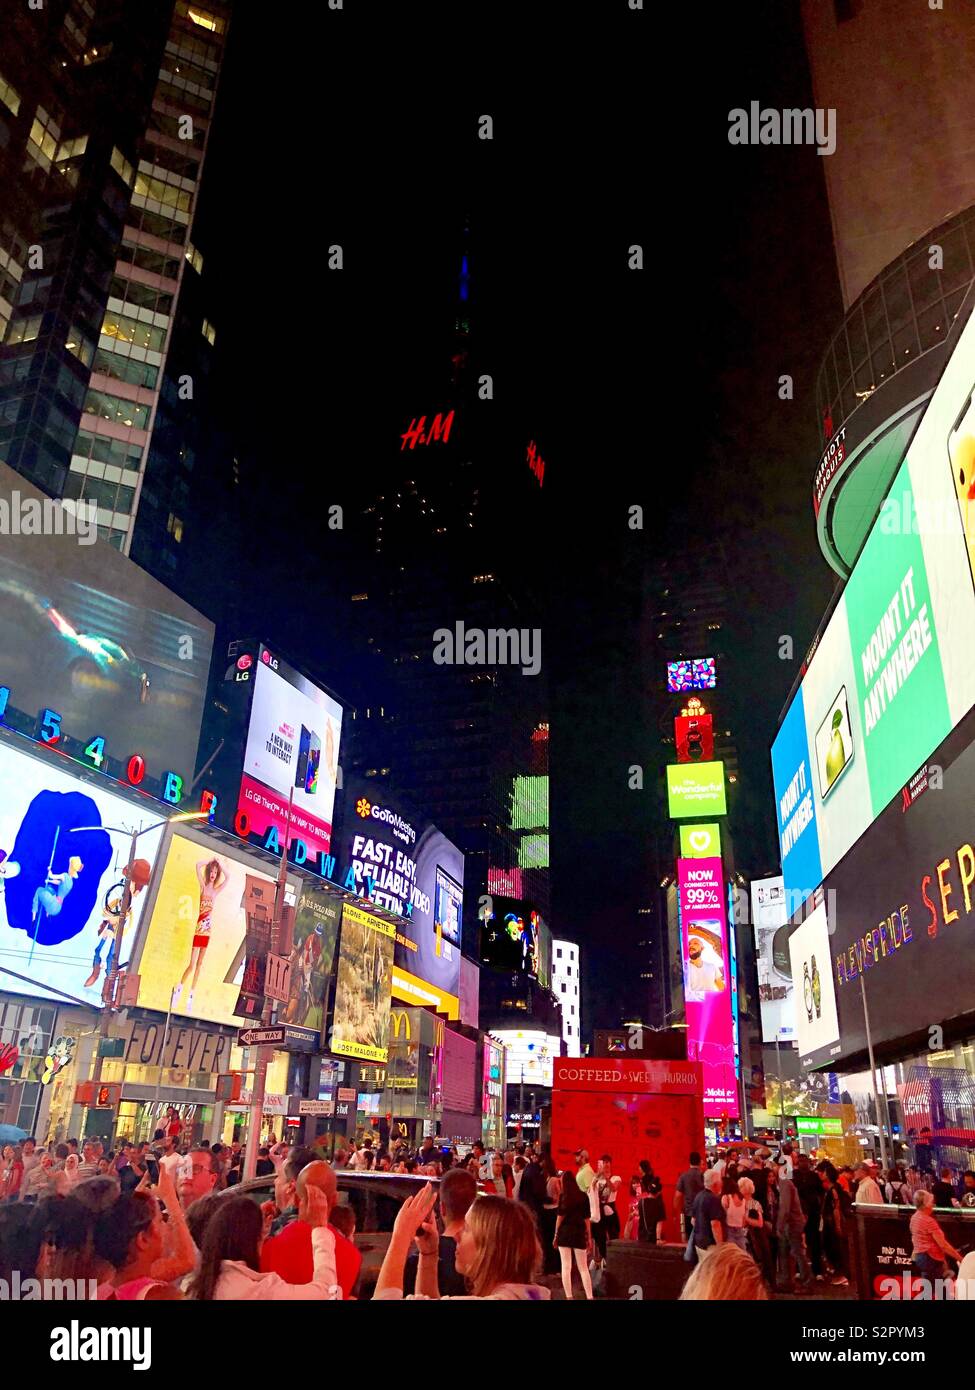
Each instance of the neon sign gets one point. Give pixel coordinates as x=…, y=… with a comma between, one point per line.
x=417, y=432
x=536, y=463
x=47, y=729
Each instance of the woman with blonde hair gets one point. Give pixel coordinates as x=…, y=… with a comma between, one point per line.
x=727, y=1274
x=498, y=1251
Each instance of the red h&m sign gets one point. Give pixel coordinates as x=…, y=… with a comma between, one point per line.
x=418, y=434
x=536, y=463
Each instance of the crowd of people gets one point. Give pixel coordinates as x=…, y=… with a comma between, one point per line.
x=791, y=1219
x=156, y=1220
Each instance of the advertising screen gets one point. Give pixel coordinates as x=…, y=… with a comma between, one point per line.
x=695, y=789
x=708, y=981
x=529, y=1055
x=544, y=954
x=316, y=928
x=894, y=670
x=362, y=990
x=770, y=923
x=700, y=841
x=694, y=737
x=409, y=868
x=63, y=847
x=448, y=908
x=812, y=984
x=195, y=944
x=291, y=753
x=698, y=674
x=510, y=935
x=902, y=907
x=529, y=803
x=86, y=632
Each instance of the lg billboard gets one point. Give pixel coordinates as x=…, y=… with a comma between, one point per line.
x=277, y=748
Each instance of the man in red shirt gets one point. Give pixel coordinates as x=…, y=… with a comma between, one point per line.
x=290, y=1254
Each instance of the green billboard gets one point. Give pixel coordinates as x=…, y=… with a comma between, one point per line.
x=695, y=789
x=700, y=841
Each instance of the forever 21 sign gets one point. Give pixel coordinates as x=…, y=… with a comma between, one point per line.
x=186, y=1048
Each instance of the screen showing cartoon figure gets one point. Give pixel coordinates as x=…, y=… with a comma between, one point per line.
x=961, y=456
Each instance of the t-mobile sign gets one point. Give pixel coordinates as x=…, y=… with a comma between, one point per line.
x=707, y=981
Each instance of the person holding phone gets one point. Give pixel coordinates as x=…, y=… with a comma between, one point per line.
x=497, y=1252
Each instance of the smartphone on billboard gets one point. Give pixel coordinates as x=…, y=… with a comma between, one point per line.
x=314, y=758
x=961, y=458
x=834, y=744
x=304, y=745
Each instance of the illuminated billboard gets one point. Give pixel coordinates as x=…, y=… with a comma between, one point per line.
x=708, y=981
x=360, y=1018
x=291, y=753
x=87, y=633
x=316, y=928
x=64, y=844
x=694, y=738
x=695, y=789
x=511, y=936
x=810, y=954
x=700, y=841
x=533, y=852
x=769, y=921
x=529, y=1055
x=697, y=674
x=275, y=739
x=529, y=803
x=194, y=947
x=408, y=867
x=893, y=672
x=901, y=915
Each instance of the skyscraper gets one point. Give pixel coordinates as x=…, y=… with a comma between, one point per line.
x=105, y=111
x=464, y=735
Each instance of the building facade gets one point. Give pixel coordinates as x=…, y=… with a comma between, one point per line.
x=105, y=112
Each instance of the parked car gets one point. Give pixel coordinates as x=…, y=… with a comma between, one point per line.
x=374, y=1197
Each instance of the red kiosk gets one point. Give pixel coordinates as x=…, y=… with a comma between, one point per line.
x=632, y=1109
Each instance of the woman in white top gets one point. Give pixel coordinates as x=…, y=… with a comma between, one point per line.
x=741, y=1211
x=735, y=1206
x=230, y=1263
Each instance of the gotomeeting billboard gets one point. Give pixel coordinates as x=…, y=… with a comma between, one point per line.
x=872, y=764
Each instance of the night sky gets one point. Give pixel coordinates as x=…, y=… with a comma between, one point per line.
x=658, y=387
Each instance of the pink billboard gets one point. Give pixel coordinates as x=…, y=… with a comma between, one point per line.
x=707, y=981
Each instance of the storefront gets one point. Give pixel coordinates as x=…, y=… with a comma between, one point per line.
x=412, y=1091
x=158, y=1067
x=26, y=1033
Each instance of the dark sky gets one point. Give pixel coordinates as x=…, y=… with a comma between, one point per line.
x=658, y=387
